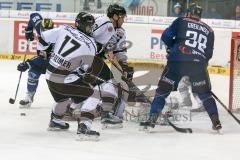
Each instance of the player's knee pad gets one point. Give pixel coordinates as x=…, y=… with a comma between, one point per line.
x=164, y=88
x=60, y=108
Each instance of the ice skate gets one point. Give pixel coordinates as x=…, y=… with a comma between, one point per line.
x=109, y=120
x=57, y=124
x=216, y=125
x=86, y=134
x=26, y=102
x=149, y=124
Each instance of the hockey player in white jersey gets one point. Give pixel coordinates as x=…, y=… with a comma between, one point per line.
x=71, y=59
x=104, y=33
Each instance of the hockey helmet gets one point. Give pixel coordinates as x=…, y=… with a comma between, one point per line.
x=195, y=10
x=47, y=23
x=83, y=20
x=116, y=9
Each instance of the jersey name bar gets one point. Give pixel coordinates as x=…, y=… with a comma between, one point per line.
x=61, y=61
x=198, y=27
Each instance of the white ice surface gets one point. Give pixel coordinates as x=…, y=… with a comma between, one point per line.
x=26, y=137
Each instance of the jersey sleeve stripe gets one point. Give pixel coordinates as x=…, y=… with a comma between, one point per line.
x=101, y=25
x=55, y=70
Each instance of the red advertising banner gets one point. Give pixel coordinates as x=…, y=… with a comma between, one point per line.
x=20, y=42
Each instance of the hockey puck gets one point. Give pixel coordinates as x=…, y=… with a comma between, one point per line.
x=23, y=114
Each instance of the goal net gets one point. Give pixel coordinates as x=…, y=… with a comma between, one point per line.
x=234, y=95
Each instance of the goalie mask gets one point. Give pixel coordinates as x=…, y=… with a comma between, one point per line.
x=46, y=24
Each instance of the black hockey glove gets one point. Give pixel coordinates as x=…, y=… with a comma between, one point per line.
x=88, y=78
x=127, y=71
x=29, y=35
x=22, y=67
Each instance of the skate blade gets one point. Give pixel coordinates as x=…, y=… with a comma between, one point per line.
x=52, y=129
x=83, y=137
x=111, y=126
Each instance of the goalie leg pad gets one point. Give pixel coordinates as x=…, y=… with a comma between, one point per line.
x=183, y=88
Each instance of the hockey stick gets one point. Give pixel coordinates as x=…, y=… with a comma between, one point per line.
x=225, y=107
x=178, y=129
x=11, y=100
x=104, y=81
x=139, y=97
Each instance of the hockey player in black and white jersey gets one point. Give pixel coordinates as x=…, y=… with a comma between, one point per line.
x=106, y=35
x=71, y=59
x=116, y=46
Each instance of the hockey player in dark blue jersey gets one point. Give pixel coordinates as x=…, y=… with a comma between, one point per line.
x=38, y=64
x=190, y=44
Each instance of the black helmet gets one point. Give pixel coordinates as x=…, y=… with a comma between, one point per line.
x=195, y=9
x=83, y=20
x=47, y=23
x=116, y=9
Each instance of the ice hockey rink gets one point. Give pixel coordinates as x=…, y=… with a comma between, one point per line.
x=27, y=138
